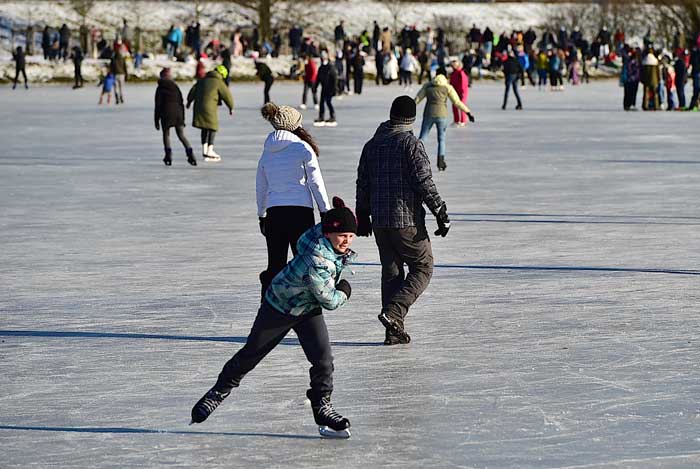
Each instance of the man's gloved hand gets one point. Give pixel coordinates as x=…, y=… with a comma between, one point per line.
x=443, y=221
x=344, y=286
x=364, y=224
x=263, y=230
x=471, y=117
x=157, y=125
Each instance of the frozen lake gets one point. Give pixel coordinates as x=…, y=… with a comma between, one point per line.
x=560, y=328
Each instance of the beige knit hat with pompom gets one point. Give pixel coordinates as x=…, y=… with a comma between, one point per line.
x=282, y=117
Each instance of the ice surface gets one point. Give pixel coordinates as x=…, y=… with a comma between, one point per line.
x=560, y=327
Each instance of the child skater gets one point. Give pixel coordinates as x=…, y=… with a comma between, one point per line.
x=294, y=301
x=107, y=82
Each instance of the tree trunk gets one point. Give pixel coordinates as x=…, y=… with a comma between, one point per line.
x=264, y=27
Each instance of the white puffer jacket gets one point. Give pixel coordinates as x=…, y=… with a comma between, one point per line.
x=289, y=174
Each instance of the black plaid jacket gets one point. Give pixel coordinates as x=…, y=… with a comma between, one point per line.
x=394, y=180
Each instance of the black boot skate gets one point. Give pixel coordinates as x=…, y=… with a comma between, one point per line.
x=190, y=157
x=441, y=163
x=167, y=159
x=330, y=423
x=394, y=329
x=206, y=405
x=391, y=339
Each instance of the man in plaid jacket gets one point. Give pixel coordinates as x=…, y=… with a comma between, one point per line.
x=394, y=180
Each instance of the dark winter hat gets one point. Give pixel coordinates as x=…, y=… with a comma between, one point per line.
x=282, y=117
x=403, y=110
x=339, y=219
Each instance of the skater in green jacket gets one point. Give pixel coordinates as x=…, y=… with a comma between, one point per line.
x=207, y=93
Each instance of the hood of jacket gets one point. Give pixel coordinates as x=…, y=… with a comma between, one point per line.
x=314, y=243
x=440, y=80
x=213, y=74
x=167, y=83
x=279, y=140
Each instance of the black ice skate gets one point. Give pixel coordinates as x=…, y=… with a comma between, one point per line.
x=190, y=157
x=330, y=423
x=206, y=405
x=391, y=339
x=395, y=329
x=168, y=160
x=441, y=163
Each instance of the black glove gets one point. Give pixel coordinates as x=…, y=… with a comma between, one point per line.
x=344, y=286
x=157, y=125
x=443, y=221
x=471, y=117
x=364, y=224
x=263, y=230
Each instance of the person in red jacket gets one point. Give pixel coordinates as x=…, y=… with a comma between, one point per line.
x=201, y=70
x=460, y=82
x=310, y=76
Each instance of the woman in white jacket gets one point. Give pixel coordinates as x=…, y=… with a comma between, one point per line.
x=288, y=182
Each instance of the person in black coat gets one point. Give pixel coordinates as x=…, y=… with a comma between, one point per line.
x=511, y=71
x=358, y=63
x=77, y=57
x=170, y=112
x=265, y=74
x=328, y=80
x=681, y=78
x=20, y=63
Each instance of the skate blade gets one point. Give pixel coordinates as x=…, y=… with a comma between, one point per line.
x=327, y=432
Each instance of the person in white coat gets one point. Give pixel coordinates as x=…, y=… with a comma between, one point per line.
x=288, y=182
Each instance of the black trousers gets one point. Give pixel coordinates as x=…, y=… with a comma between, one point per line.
x=630, y=94
x=268, y=330
x=180, y=131
x=283, y=227
x=359, y=78
x=398, y=247
x=326, y=98
x=78, y=75
x=268, y=84
x=309, y=86
x=680, y=89
x=24, y=74
x=208, y=136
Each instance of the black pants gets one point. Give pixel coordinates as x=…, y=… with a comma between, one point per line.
x=24, y=74
x=78, y=75
x=680, y=89
x=283, y=227
x=268, y=330
x=180, y=131
x=511, y=82
x=405, y=77
x=358, y=83
x=268, y=84
x=208, y=136
x=399, y=246
x=309, y=86
x=630, y=94
x=326, y=97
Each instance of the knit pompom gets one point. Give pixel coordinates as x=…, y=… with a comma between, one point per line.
x=338, y=202
x=269, y=111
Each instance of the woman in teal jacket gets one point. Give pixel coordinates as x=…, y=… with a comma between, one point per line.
x=295, y=299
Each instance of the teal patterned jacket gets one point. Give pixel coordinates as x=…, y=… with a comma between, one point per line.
x=307, y=283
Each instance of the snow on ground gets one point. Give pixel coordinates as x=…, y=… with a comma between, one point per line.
x=560, y=328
